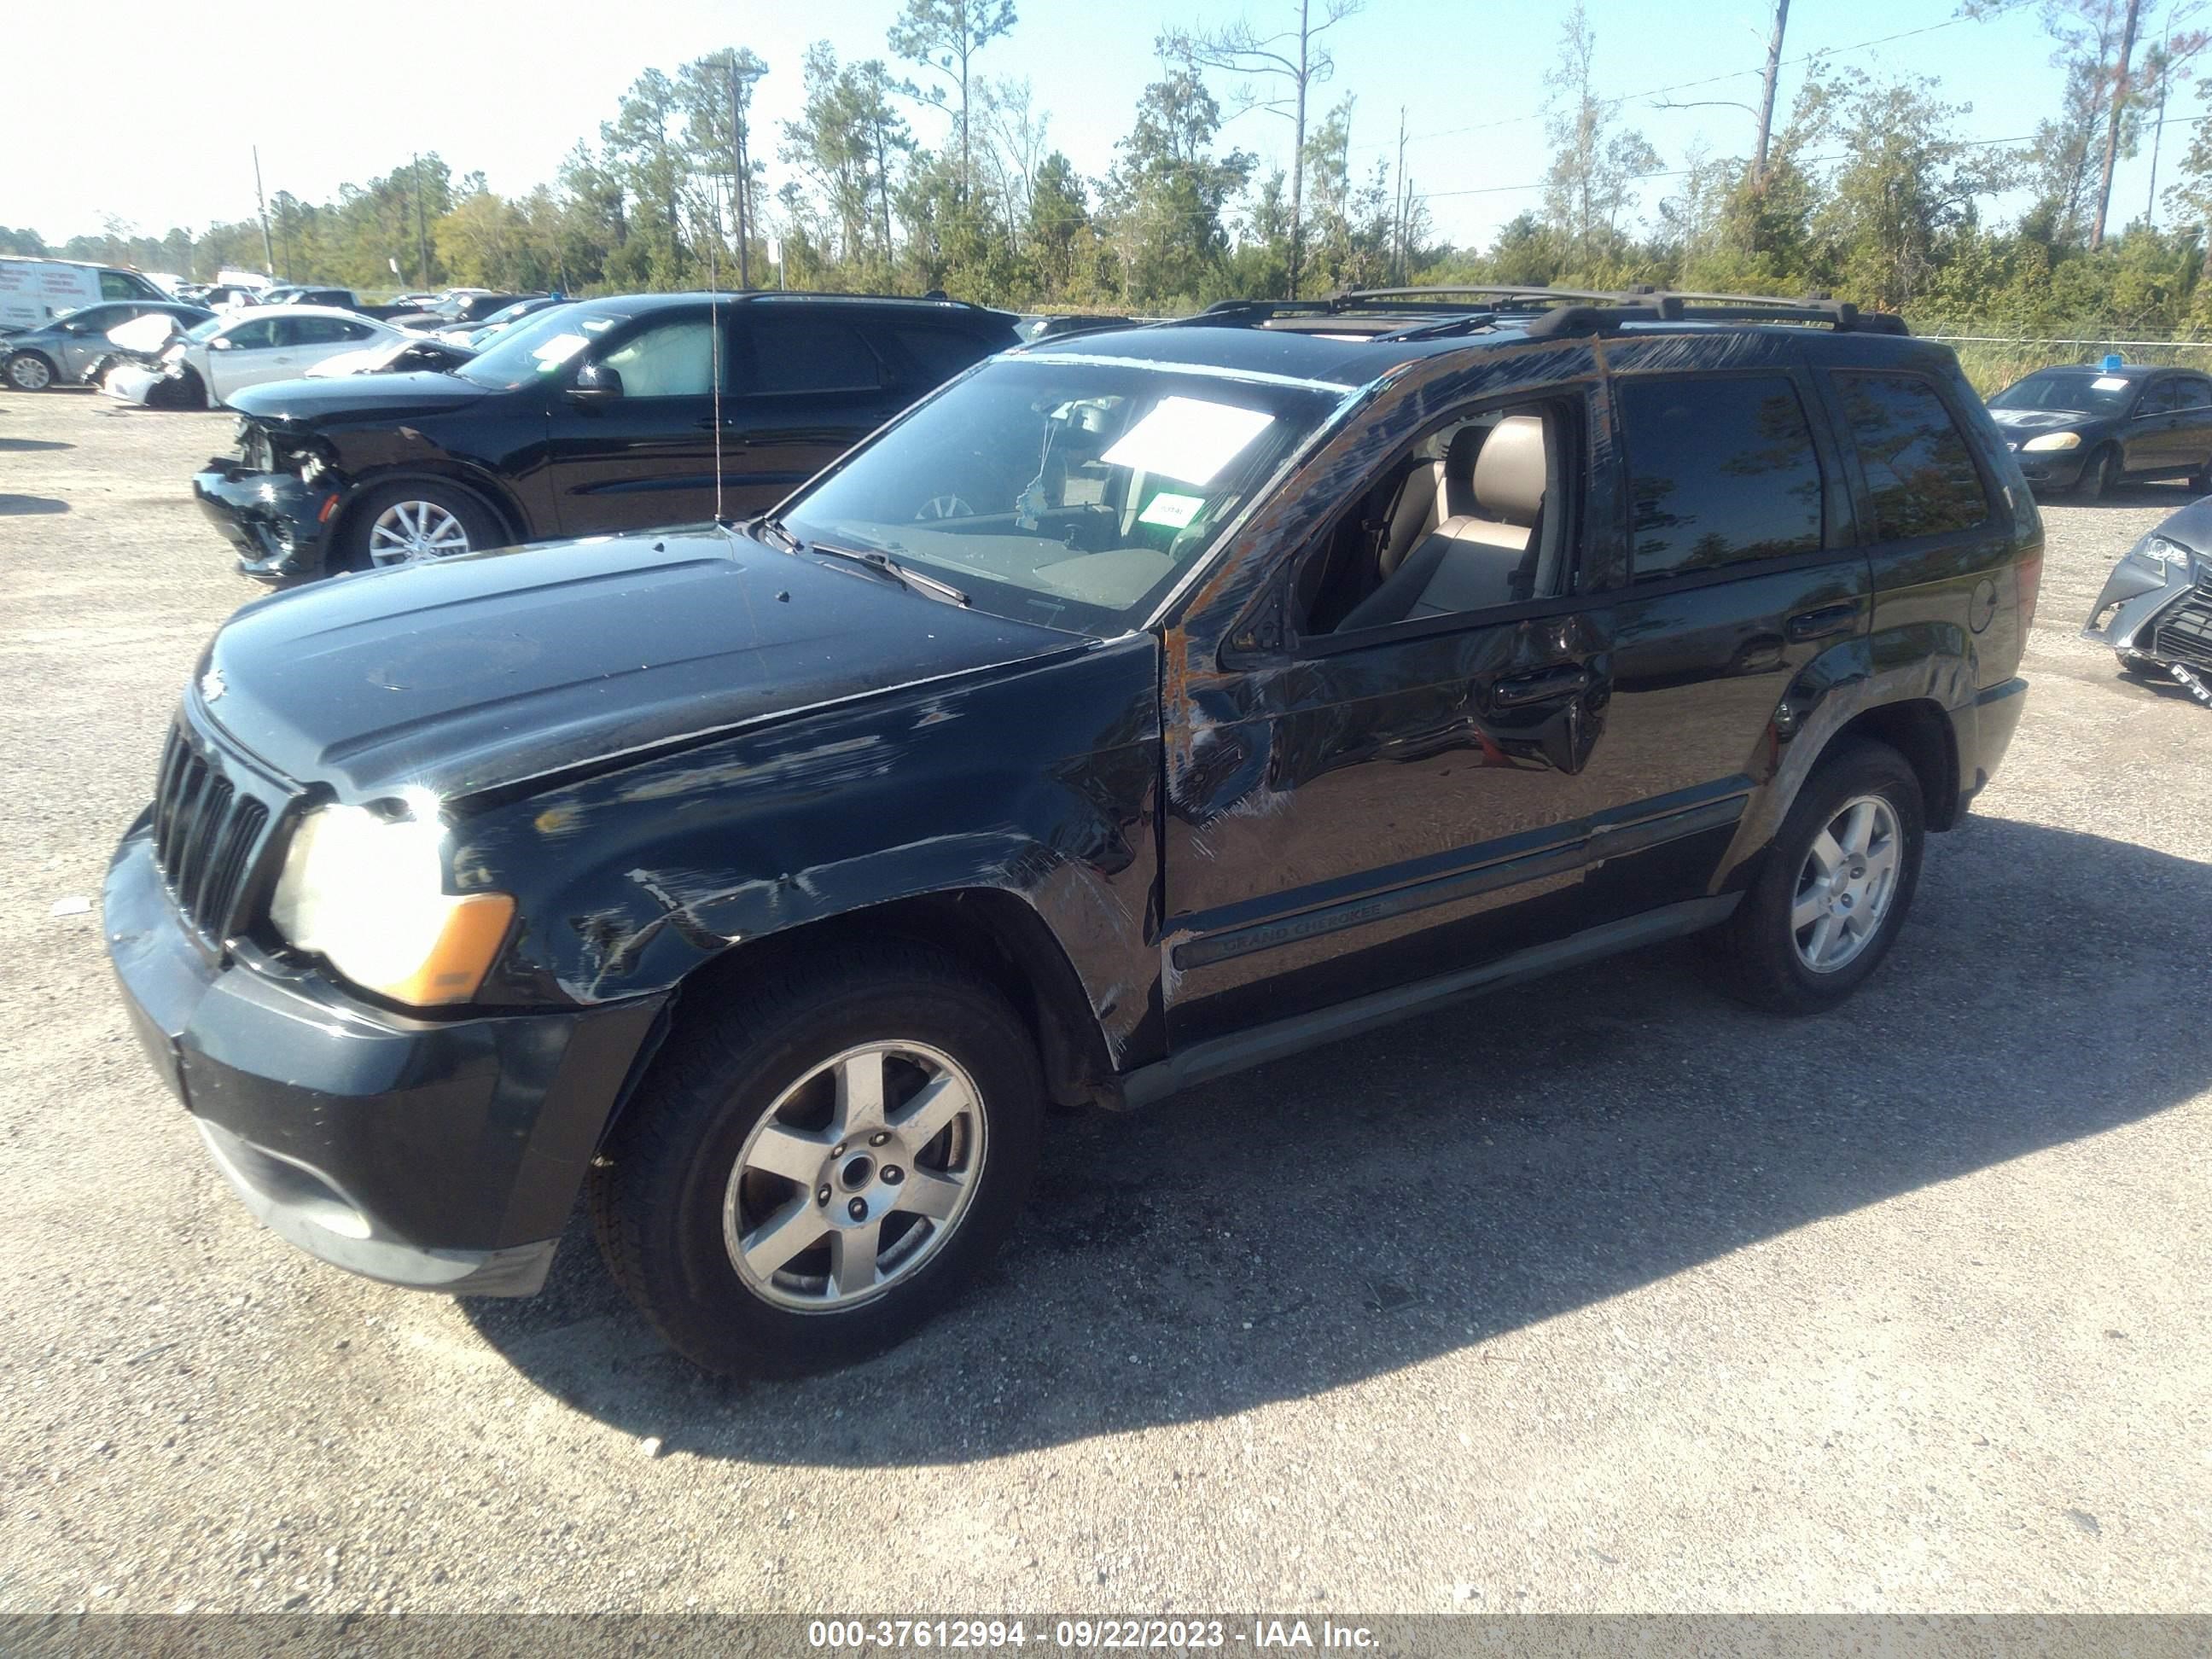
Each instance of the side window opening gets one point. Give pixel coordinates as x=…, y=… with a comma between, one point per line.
x=1471, y=519
x=674, y=359
x=798, y=353
x=1919, y=472
x=1722, y=470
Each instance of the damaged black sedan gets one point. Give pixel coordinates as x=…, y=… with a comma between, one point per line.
x=1138, y=708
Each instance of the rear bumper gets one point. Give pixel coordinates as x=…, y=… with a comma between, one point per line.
x=1984, y=729
x=438, y=1155
x=279, y=525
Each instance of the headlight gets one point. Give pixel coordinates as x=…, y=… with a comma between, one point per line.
x=2156, y=549
x=2055, y=441
x=367, y=892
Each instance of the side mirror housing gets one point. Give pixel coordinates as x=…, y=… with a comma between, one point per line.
x=596, y=380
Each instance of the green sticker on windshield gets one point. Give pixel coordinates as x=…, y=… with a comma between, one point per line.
x=1173, y=511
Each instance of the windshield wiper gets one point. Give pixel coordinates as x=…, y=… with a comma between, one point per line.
x=904, y=576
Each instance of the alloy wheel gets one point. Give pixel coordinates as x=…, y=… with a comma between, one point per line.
x=1846, y=884
x=856, y=1176
x=408, y=531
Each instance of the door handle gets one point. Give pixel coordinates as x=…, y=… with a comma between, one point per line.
x=1541, y=686
x=1829, y=619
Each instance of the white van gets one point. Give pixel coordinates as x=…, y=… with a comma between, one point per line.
x=34, y=292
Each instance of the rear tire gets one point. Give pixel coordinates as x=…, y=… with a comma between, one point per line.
x=710, y=1209
x=30, y=371
x=1800, y=941
x=406, y=523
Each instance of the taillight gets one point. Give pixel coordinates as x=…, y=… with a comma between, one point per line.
x=2028, y=573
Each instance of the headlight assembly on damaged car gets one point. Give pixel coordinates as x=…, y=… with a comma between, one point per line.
x=367, y=892
x=2050, y=441
x=2156, y=549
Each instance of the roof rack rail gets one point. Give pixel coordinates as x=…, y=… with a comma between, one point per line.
x=1568, y=311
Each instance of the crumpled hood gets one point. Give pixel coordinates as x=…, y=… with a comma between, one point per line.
x=466, y=674
x=355, y=397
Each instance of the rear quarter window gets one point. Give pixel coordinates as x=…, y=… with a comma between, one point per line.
x=1920, y=472
x=1722, y=470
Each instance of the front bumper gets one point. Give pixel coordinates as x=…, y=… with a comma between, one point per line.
x=439, y=1155
x=2155, y=613
x=279, y=525
x=2054, y=469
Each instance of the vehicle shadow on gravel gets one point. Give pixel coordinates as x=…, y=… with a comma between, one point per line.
x=24, y=446
x=16, y=507
x=1388, y=1200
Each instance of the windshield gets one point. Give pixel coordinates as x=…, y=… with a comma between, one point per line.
x=2080, y=392
x=1065, y=493
x=539, y=346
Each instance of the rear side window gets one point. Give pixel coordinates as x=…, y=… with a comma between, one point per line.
x=2192, y=393
x=937, y=353
x=1722, y=470
x=320, y=331
x=1918, y=469
x=798, y=353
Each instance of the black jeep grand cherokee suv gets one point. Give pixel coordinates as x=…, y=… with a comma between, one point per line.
x=1135, y=709
x=596, y=416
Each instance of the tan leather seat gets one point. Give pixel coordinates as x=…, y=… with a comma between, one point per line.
x=1471, y=560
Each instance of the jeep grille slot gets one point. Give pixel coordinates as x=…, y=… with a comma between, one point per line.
x=206, y=834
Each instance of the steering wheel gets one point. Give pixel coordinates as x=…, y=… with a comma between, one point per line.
x=944, y=507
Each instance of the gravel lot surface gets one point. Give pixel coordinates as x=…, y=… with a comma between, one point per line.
x=1600, y=1294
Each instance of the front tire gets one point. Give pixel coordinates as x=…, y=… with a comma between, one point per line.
x=411, y=523
x=1835, y=887
x=30, y=371
x=2102, y=474
x=810, y=1173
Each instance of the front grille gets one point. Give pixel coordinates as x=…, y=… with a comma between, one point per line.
x=2184, y=633
x=207, y=836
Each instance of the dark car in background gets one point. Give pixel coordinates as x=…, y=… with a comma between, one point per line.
x=603, y=415
x=1138, y=708
x=2092, y=427
x=459, y=307
x=60, y=353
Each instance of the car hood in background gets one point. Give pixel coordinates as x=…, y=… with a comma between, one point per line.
x=374, y=397
x=2043, y=419
x=465, y=674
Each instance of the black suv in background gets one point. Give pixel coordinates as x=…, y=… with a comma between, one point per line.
x=596, y=416
x=1135, y=709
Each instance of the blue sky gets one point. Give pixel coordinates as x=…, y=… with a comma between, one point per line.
x=333, y=93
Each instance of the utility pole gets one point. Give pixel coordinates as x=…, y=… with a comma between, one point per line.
x=1298, y=155
x=421, y=228
x=268, y=249
x=2113, y=124
x=1398, y=201
x=737, y=162
x=1766, y=97
x=2157, y=129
